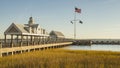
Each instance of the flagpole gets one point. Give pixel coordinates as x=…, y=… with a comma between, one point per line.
x=74, y=25
x=77, y=10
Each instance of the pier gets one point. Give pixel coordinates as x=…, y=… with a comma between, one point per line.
x=19, y=50
x=82, y=42
x=48, y=44
x=96, y=41
x=106, y=41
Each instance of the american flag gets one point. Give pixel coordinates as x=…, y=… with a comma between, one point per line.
x=77, y=10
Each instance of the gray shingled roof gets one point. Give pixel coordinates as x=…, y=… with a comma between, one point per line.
x=57, y=33
x=33, y=25
x=21, y=27
x=26, y=29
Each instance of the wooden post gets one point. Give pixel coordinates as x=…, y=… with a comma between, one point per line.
x=0, y=48
x=39, y=40
x=31, y=40
x=11, y=40
x=5, y=40
x=34, y=40
x=21, y=43
x=43, y=39
x=48, y=40
x=17, y=41
x=27, y=41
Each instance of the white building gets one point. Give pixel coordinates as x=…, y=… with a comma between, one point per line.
x=30, y=30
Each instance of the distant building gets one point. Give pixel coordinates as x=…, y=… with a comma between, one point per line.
x=56, y=34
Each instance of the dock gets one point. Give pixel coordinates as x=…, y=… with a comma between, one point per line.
x=17, y=50
x=82, y=42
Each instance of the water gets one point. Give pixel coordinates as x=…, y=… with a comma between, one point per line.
x=94, y=47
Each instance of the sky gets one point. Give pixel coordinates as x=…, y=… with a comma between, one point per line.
x=101, y=18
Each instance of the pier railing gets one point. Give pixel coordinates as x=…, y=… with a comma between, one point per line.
x=27, y=46
x=18, y=43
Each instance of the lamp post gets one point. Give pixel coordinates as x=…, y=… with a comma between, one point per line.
x=0, y=46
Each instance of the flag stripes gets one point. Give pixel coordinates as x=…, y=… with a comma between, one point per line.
x=77, y=10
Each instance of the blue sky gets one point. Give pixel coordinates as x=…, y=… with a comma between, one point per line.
x=101, y=18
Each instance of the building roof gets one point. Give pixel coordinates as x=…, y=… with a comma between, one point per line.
x=25, y=29
x=15, y=29
x=33, y=25
x=21, y=27
x=57, y=33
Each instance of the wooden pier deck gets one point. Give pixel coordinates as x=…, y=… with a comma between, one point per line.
x=16, y=50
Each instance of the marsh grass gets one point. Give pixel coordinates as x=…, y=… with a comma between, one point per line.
x=59, y=58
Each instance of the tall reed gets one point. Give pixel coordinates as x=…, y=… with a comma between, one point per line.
x=59, y=58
